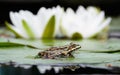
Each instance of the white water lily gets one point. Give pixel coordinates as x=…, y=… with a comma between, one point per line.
x=43, y=25
x=83, y=23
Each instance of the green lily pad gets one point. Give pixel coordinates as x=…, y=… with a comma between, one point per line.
x=94, y=52
x=25, y=55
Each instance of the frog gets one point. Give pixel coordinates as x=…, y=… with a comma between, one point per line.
x=59, y=52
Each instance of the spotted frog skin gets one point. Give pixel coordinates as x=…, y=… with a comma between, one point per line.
x=59, y=52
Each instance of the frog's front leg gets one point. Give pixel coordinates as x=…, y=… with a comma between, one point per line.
x=67, y=55
x=71, y=55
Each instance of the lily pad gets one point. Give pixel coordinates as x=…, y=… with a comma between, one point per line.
x=92, y=52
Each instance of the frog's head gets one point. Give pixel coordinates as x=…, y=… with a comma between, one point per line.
x=74, y=46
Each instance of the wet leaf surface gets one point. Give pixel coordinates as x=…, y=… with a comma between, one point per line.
x=98, y=53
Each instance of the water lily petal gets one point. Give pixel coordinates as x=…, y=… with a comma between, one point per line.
x=32, y=21
x=104, y=23
x=16, y=20
x=80, y=11
x=99, y=28
x=28, y=29
x=58, y=11
x=45, y=14
x=49, y=29
x=17, y=31
x=99, y=18
x=93, y=10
